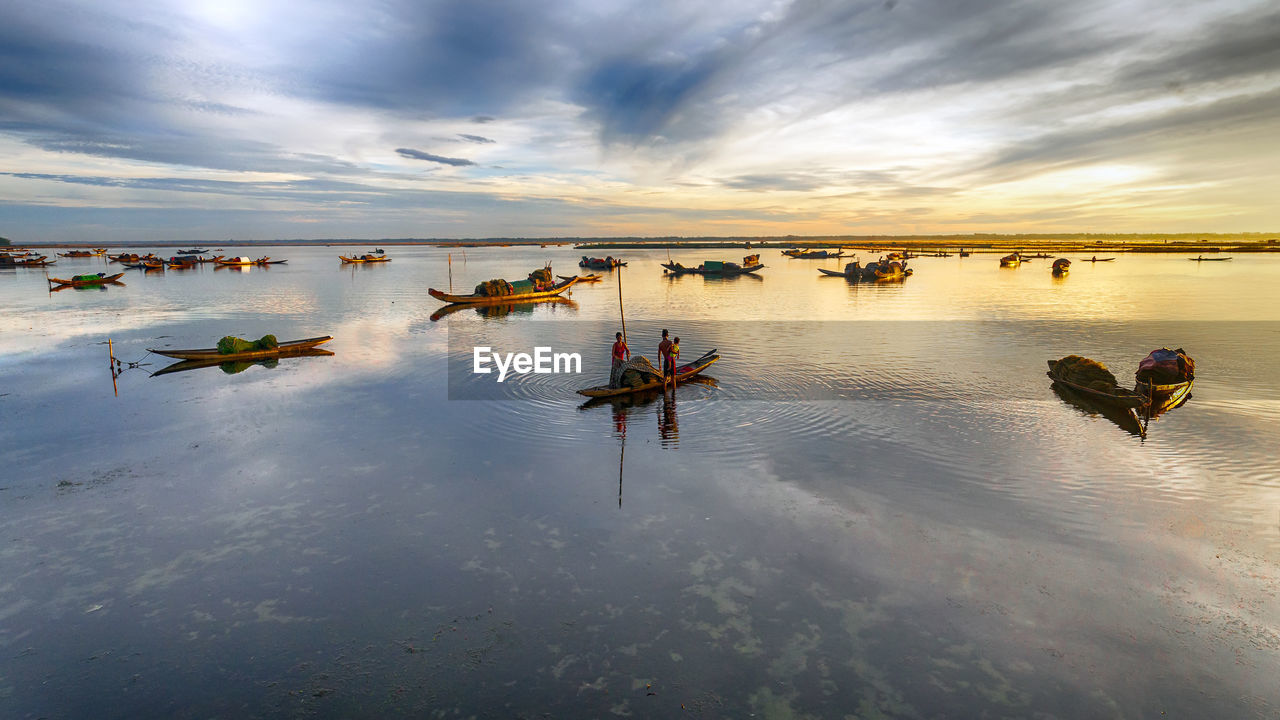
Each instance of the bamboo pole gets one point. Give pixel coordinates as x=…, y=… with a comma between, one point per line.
x=621, y=312
x=450, y=273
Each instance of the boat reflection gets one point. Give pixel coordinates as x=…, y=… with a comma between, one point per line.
x=1126, y=418
x=233, y=367
x=101, y=287
x=623, y=404
x=502, y=310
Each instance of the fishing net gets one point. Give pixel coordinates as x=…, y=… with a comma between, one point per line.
x=638, y=371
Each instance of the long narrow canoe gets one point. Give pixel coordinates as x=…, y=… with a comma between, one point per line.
x=364, y=259
x=1120, y=398
x=583, y=278
x=1098, y=259
x=474, y=299
x=285, y=348
x=1205, y=259
x=683, y=372
x=85, y=282
x=676, y=268
x=184, y=365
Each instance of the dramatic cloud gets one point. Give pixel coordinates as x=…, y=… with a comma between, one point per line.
x=652, y=118
x=419, y=155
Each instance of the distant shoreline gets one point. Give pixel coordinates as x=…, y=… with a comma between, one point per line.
x=1149, y=243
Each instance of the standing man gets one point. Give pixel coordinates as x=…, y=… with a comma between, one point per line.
x=621, y=353
x=668, y=363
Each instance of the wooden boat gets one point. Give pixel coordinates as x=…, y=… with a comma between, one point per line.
x=131, y=257
x=174, y=264
x=84, y=281
x=584, y=278
x=40, y=261
x=607, y=263
x=683, y=372
x=713, y=268
x=474, y=299
x=145, y=265
x=1205, y=259
x=1098, y=259
x=1061, y=267
x=1162, y=398
x=816, y=254
x=1118, y=397
x=245, y=261
x=364, y=259
x=285, y=348
x=1013, y=260
x=76, y=253
x=193, y=252
x=233, y=366
x=855, y=275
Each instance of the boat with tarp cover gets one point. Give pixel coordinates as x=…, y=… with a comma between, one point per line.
x=86, y=280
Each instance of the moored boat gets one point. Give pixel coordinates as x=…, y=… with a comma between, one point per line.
x=1012, y=260
x=683, y=372
x=750, y=265
x=1061, y=267
x=364, y=259
x=502, y=291
x=605, y=263
x=246, y=261
x=214, y=353
x=1205, y=259
x=1165, y=378
x=1093, y=381
x=583, y=278
x=86, y=280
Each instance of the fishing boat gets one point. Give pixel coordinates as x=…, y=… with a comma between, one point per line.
x=583, y=278
x=38, y=261
x=235, y=366
x=1205, y=259
x=76, y=253
x=1013, y=260
x=181, y=263
x=750, y=265
x=1098, y=259
x=892, y=270
x=1165, y=377
x=130, y=257
x=285, y=348
x=477, y=299
x=86, y=280
x=1042, y=256
x=852, y=271
x=683, y=372
x=364, y=259
x=606, y=263
x=145, y=265
x=245, y=261
x=199, y=251
x=1061, y=267
x=815, y=254
x=1105, y=392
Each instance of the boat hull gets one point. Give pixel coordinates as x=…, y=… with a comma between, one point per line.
x=212, y=353
x=86, y=283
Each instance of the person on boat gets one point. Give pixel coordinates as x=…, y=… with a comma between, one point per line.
x=621, y=354
x=668, y=363
x=675, y=348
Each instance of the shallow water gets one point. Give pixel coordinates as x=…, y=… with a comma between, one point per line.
x=878, y=506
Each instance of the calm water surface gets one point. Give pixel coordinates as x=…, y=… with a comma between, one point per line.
x=876, y=506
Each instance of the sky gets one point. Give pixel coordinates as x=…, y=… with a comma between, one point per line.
x=128, y=121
